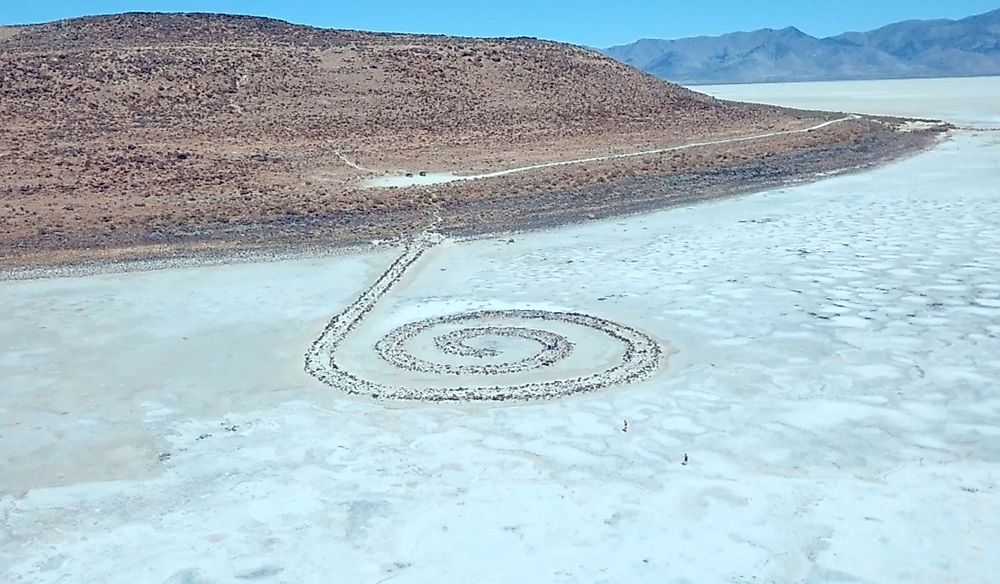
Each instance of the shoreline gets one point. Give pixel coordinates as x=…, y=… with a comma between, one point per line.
x=652, y=194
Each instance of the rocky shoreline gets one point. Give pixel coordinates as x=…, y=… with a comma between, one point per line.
x=474, y=217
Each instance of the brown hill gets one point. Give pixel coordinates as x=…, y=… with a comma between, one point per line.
x=152, y=128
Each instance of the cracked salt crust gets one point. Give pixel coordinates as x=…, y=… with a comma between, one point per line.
x=835, y=389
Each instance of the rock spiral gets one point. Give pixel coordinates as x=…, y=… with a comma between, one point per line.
x=465, y=337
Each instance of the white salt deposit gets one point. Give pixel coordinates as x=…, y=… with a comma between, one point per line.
x=972, y=101
x=834, y=387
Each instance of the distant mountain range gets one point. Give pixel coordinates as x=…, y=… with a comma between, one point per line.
x=914, y=48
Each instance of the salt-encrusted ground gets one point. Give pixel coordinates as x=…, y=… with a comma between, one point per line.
x=835, y=386
x=960, y=101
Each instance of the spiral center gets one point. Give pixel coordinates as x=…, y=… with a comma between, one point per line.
x=551, y=347
x=554, y=346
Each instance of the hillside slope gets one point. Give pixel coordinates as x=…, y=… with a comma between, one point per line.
x=917, y=48
x=142, y=129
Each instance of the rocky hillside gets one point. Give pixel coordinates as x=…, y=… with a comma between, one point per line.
x=916, y=48
x=249, y=78
x=140, y=129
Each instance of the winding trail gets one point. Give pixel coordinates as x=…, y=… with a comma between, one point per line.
x=403, y=181
x=353, y=165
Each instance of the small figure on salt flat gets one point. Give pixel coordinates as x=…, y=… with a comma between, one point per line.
x=625, y=426
x=685, y=461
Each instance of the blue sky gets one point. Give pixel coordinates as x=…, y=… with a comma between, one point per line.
x=588, y=22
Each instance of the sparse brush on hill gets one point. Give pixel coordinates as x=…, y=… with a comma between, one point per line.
x=158, y=128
